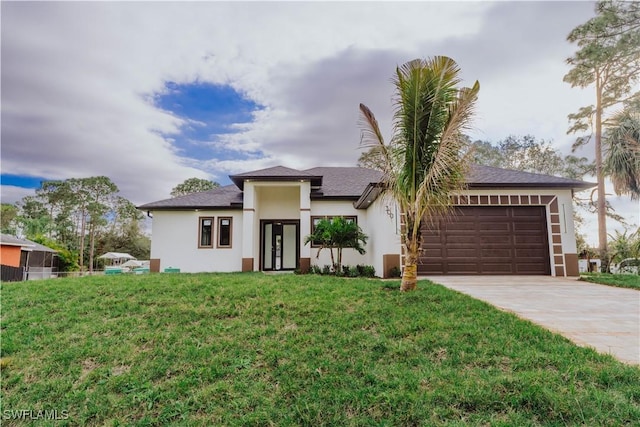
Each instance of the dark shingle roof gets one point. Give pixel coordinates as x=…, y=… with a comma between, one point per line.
x=351, y=183
x=344, y=181
x=487, y=176
x=220, y=197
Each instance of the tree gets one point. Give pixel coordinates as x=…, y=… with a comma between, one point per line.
x=624, y=246
x=524, y=153
x=123, y=233
x=34, y=216
x=9, y=218
x=608, y=59
x=371, y=159
x=337, y=233
x=193, y=185
x=423, y=162
x=622, y=153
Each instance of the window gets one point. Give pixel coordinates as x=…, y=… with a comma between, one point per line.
x=224, y=232
x=205, y=233
x=316, y=219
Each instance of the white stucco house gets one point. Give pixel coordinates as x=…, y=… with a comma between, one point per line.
x=505, y=222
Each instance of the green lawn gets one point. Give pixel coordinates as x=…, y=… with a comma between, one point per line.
x=619, y=280
x=288, y=350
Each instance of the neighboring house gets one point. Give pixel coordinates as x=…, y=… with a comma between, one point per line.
x=23, y=259
x=506, y=222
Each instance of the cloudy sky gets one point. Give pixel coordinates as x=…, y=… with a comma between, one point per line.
x=152, y=93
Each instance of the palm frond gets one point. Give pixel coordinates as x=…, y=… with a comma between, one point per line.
x=622, y=154
x=424, y=158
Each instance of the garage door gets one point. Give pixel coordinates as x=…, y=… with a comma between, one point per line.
x=487, y=240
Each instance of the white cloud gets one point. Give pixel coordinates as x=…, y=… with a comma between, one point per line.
x=11, y=194
x=79, y=79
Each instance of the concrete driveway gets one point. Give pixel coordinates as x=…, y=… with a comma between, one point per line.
x=603, y=317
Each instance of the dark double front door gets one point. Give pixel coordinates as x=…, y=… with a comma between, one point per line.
x=280, y=244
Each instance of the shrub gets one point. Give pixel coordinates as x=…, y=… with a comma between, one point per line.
x=366, y=270
x=315, y=270
x=395, y=272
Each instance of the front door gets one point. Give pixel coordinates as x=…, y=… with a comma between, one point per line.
x=280, y=245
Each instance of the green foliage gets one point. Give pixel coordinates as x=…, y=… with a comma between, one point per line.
x=68, y=260
x=367, y=271
x=82, y=214
x=608, y=58
x=526, y=153
x=620, y=280
x=395, y=272
x=423, y=162
x=8, y=219
x=623, y=246
x=338, y=233
x=286, y=350
x=622, y=153
x=193, y=185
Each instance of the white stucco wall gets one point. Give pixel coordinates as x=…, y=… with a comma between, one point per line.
x=175, y=233
x=384, y=234
x=175, y=237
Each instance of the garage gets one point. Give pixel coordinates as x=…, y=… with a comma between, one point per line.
x=487, y=240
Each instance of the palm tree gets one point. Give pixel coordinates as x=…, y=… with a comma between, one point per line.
x=337, y=233
x=622, y=162
x=423, y=163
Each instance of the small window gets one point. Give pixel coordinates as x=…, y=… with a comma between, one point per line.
x=224, y=232
x=206, y=232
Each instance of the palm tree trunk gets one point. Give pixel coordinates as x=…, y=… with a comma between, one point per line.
x=410, y=270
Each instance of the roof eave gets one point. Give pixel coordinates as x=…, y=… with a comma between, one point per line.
x=240, y=180
x=575, y=186
x=189, y=208
x=369, y=195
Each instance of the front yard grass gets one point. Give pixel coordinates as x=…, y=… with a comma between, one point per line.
x=620, y=280
x=288, y=350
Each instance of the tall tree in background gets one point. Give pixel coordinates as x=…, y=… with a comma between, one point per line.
x=100, y=194
x=82, y=215
x=193, y=185
x=528, y=154
x=423, y=162
x=608, y=59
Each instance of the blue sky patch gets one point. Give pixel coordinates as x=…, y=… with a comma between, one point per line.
x=211, y=111
x=21, y=181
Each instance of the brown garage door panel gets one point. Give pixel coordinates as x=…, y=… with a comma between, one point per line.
x=461, y=253
x=497, y=227
x=498, y=268
x=461, y=226
x=495, y=253
x=488, y=240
